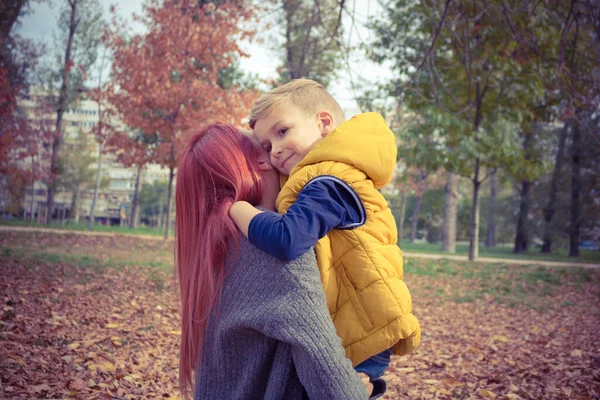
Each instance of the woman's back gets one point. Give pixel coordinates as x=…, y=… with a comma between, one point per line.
x=271, y=336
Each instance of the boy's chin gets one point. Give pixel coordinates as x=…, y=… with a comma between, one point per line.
x=286, y=171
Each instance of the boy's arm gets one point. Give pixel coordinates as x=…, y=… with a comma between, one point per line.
x=323, y=204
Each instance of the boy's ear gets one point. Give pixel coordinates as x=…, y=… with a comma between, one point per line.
x=326, y=122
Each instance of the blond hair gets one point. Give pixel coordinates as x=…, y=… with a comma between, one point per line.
x=308, y=95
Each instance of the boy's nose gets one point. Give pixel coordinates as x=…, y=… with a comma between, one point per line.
x=275, y=152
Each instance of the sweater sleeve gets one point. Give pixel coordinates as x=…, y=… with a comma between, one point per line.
x=303, y=321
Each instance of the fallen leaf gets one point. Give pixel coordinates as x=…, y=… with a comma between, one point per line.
x=78, y=384
x=500, y=338
x=487, y=394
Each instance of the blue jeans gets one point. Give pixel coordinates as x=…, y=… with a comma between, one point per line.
x=375, y=366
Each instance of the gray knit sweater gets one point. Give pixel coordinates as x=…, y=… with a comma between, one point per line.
x=272, y=336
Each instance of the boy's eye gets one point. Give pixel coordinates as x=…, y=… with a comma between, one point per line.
x=268, y=148
x=283, y=131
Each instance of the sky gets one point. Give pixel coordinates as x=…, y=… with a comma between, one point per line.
x=41, y=25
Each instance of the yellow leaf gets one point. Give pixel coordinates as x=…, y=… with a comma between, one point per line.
x=134, y=303
x=132, y=377
x=91, y=383
x=73, y=345
x=487, y=394
x=175, y=332
x=500, y=338
x=113, y=325
x=107, y=367
x=576, y=353
x=406, y=370
x=431, y=381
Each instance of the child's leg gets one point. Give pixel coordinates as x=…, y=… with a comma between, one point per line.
x=375, y=366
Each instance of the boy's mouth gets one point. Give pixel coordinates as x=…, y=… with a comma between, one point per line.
x=285, y=161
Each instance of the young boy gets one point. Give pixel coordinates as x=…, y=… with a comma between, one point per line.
x=330, y=201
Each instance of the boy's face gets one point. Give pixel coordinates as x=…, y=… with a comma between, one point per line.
x=269, y=175
x=288, y=134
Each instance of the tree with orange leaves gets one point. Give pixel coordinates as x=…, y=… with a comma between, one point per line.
x=166, y=81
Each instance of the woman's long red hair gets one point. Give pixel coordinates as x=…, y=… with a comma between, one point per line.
x=217, y=168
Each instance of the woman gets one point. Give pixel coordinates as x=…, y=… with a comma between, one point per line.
x=252, y=326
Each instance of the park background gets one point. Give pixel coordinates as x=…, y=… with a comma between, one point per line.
x=495, y=105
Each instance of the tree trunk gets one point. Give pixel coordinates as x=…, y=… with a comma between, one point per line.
x=575, y=192
x=522, y=236
x=169, y=195
x=490, y=238
x=415, y=218
x=75, y=203
x=100, y=148
x=474, y=228
x=32, y=191
x=91, y=216
x=290, y=9
x=417, y=209
x=159, y=220
x=402, y=214
x=450, y=214
x=10, y=11
x=62, y=105
x=549, y=210
x=135, y=209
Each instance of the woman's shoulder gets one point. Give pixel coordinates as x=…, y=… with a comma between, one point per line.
x=258, y=268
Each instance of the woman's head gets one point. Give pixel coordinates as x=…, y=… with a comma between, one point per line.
x=218, y=166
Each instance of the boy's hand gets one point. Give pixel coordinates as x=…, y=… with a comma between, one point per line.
x=367, y=382
x=242, y=212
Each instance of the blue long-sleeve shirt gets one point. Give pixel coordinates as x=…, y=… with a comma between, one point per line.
x=325, y=203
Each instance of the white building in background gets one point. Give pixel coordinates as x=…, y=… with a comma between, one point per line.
x=111, y=200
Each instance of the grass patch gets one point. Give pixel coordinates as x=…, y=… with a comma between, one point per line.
x=513, y=285
x=32, y=258
x=39, y=257
x=72, y=226
x=462, y=249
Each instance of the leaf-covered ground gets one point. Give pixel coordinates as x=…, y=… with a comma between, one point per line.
x=95, y=317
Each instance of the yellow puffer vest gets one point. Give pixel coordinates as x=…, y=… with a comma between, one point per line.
x=361, y=268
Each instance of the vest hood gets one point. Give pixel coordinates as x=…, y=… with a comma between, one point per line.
x=365, y=141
